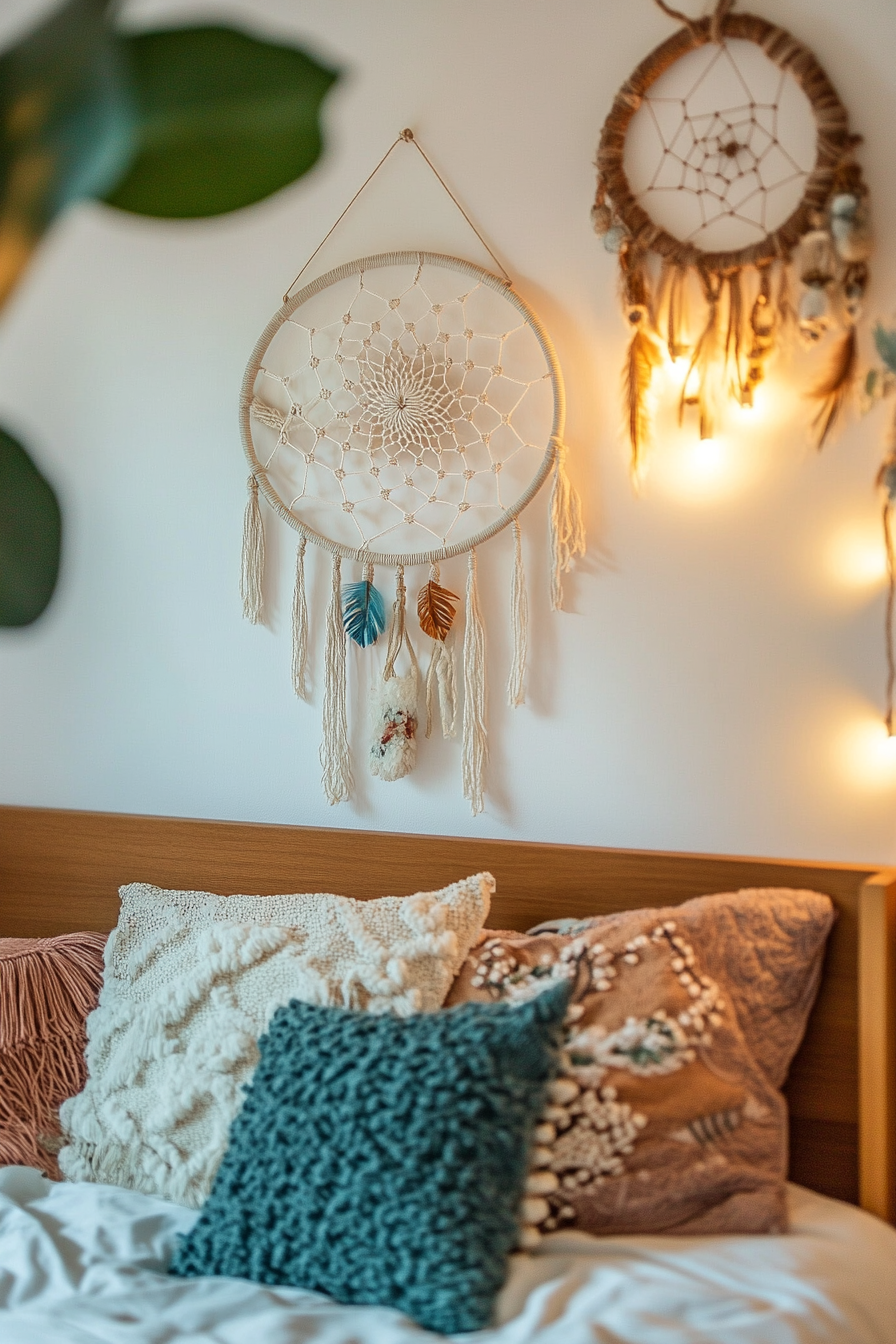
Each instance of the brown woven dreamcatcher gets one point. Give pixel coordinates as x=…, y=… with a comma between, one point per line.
x=752, y=215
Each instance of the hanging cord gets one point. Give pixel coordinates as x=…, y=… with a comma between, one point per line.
x=405, y=138
x=475, y=745
x=396, y=629
x=721, y=12
x=891, y=604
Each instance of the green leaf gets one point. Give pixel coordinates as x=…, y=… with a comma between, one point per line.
x=30, y=536
x=66, y=125
x=886, y=346
x=224, y=121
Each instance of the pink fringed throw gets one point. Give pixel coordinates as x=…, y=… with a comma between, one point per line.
x=47, y=988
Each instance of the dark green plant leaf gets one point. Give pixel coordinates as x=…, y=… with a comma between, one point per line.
x=224, y=121
x=66, y=125
x=30, y=536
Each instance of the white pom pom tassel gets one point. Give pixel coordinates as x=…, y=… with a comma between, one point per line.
x=475, y=746
x=519, y=622
x=300, y=625
x=567, y=527
x=335, y=756
x=253, y=557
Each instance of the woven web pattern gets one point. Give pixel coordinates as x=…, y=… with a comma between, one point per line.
x=402, y=408
x=723, y=142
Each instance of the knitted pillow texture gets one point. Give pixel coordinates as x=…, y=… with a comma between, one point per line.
x=47, y=988
x=191, y=982
x=383, y=1161
x=667, y=1115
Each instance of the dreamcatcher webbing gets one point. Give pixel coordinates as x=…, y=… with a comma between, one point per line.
x=742, y=294
x=412, y=399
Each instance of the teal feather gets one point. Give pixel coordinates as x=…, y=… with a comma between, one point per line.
x=886, y=346
x=363, y=612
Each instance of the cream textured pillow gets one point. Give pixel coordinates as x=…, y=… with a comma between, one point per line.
x=191, y=982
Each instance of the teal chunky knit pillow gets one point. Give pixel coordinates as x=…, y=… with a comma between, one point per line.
x=382, y=1160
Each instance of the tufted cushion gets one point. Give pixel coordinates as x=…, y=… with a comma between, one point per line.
x=383, y=1161
x=684, y=1020
x=191, y=982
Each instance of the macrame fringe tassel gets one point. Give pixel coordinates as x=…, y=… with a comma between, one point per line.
x=334, y=751
x=519, y=623
x=300, y=626
x=475, y=746
x=567, y=526
x=253, y=557
x=441, y=675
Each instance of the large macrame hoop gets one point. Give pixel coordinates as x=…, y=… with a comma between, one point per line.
x=357, y=611
x=745, y=291
x=434, y=555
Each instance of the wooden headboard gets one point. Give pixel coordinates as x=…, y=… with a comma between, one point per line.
x=60, y=872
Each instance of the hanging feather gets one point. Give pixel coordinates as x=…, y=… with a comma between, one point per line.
x=764, y=317
x=702, y=368
x=676, y=313
x=436, y=609
x=834, y=389
x=734, y=333
x=363, y=612
x=643, y=358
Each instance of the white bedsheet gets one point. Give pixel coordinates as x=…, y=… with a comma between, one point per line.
x=80, y=1264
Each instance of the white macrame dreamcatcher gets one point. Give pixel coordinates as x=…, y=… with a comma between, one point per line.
x=397, y=412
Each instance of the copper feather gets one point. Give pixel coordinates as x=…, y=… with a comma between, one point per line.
x=436, y=607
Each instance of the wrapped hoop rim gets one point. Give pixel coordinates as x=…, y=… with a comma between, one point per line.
x=382, y=259
x=833, y=142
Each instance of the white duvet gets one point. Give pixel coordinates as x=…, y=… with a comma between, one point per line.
x=83, y=1264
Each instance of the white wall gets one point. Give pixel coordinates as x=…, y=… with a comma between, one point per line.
x=717, y=684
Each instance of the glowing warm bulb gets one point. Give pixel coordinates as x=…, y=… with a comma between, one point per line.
x=868, y=754
x=855, y=555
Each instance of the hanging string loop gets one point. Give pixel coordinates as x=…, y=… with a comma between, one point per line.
x=406, y=137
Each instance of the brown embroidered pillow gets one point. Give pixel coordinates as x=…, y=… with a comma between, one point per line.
x=666, y=1117
x=47, y=988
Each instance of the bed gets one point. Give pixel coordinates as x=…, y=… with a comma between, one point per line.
x=82, y=1263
